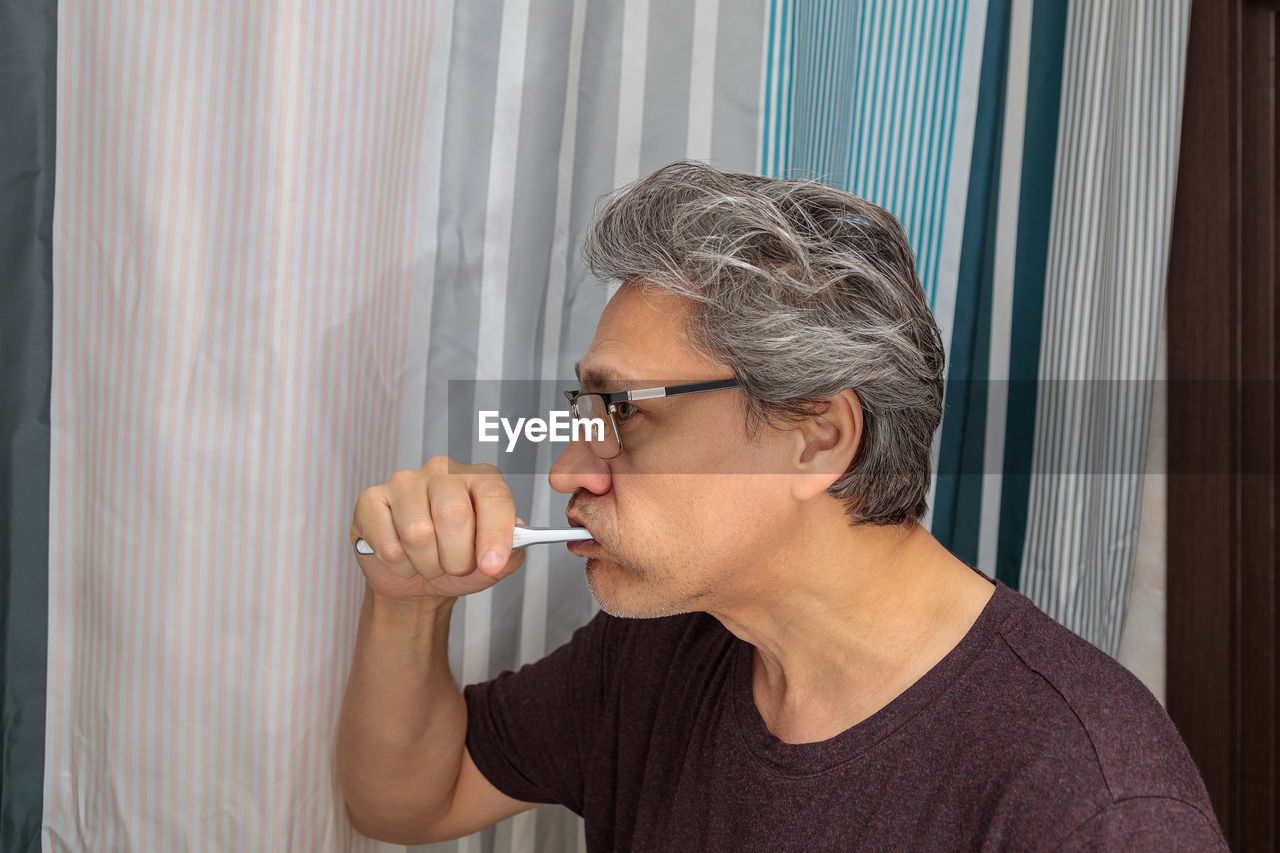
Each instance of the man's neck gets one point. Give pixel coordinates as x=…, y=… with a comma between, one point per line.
x=844, y=619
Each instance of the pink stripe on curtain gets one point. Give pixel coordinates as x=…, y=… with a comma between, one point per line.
x=235, y=214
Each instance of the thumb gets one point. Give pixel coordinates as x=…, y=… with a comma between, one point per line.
x=515, y=561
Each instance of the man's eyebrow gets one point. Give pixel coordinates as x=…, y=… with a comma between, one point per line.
x=595, y=377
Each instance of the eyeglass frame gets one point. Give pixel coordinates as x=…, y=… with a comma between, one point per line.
x=612, y=398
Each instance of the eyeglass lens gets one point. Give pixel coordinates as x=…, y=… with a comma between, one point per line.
x=592, y=406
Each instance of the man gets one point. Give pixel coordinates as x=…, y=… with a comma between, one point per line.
x=785, y=659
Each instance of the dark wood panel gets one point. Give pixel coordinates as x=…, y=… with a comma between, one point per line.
x=1202, y=264
x=1258, y=638
x=1223, y=640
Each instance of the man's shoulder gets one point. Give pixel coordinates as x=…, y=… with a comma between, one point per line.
x=1132, y=741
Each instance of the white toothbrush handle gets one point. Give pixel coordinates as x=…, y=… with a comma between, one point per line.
x=522, y=537
x=547, y=535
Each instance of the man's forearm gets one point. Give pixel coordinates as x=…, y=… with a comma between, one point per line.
x=403, y=726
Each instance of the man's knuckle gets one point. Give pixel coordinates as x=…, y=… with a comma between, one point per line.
x=418, y=532
x=453, y=512
x=493, y=493
x=402, y=477
x=456, y=565
x=392, y=553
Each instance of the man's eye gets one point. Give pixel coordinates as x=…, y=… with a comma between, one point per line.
x=623, y=412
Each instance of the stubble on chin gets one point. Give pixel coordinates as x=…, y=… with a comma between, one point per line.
x=625, y=600
x=609, y=597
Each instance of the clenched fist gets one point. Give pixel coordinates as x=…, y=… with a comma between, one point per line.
x=439, y=532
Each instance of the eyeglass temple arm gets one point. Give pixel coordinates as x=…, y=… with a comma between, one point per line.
x=677, y=390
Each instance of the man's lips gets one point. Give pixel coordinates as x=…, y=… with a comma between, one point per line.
x=586, y=545
x=584, y=548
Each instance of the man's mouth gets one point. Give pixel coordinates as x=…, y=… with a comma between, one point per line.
x=587, y=546
x=584, y=548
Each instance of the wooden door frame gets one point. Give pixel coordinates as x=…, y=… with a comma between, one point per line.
x=1222, y=640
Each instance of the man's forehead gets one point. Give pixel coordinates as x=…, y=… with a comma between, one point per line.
x=641, y=339
x=617, y=372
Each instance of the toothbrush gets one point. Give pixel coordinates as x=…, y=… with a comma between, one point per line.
x=521, y=537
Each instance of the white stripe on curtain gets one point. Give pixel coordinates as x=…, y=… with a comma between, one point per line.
x=629, y=133
x=234, y=249
x=702, y=79
x=1104, y=291
x=413, y=420
x=635, y=41
x=477, y=610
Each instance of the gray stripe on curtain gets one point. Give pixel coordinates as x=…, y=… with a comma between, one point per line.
x=735, y=133
x=28, y=73
x=1104, y=292
x=666, y=88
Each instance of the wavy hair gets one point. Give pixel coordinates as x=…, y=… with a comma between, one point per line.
x=803, y=291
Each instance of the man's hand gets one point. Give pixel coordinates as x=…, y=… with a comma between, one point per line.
x=439, y=532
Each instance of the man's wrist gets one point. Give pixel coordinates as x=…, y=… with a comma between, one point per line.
x=412, y=615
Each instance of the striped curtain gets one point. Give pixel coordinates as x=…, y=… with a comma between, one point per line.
x=280, y=230
x=1059, y=297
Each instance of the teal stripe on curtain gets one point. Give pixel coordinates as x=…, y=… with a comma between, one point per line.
x=863, y=96
x=775, y=158
x=1040, y=148
x=958, y=497
x=28, y=75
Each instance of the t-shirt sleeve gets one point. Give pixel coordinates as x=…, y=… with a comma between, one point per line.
x=528, y=731
x=1148, y=823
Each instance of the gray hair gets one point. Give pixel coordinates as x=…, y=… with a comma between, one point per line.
x=803, y=291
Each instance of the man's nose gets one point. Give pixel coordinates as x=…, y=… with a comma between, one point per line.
x=578, y=467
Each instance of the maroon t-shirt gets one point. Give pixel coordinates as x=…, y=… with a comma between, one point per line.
x=1024, y=736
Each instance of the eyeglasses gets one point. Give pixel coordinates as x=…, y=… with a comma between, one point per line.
x=614, y=407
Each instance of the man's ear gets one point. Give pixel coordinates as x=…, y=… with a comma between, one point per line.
x=826, y=444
